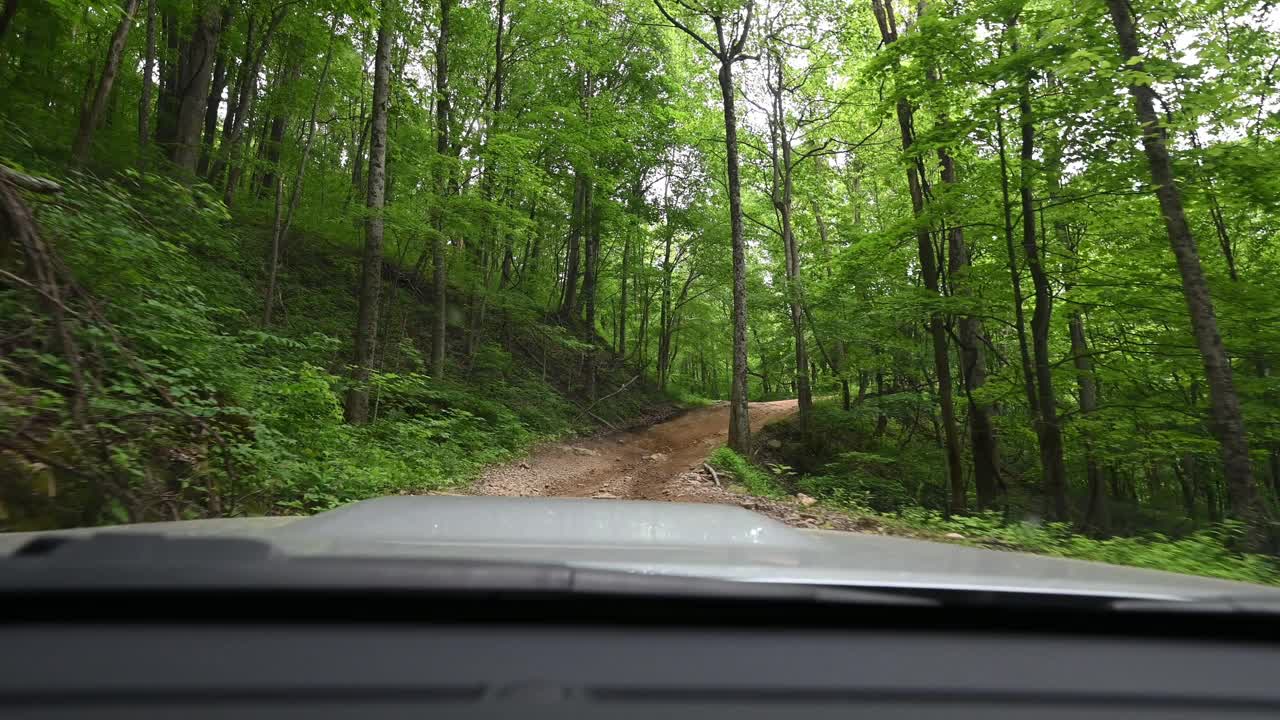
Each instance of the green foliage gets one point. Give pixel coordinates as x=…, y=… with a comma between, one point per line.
x=1205, y=552
x=200, y=411
x=738, y=468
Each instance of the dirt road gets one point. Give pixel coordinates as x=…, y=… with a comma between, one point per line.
x=652, y=463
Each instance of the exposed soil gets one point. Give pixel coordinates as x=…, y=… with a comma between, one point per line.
x=661, y=462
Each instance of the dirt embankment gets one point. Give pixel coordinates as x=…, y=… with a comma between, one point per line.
x=659, y=462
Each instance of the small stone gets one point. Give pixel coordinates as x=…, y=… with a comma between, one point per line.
x=605, y=496
x=524, y=466
x=621, y=441
x=806, y=501
x=774, y=444
x=584, y=452
x=953, y=536
x=656, y=457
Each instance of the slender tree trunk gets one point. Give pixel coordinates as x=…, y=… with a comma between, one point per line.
x=783, y=195
x=957, y=500
x=739, y=420
x=1227, y=421
x=439, y=267
x=214, y=101
x=664, y=312
x=1015, y=275
x=1095, y=518
x=1047, y=426
x=573, y=259
x=91, y=117
x=590, y=269
x=6, y=16
x=973, y=362
x=357, y=405
x=231, y=151
x=212, y=105
x=148, y=69
x=295, y=195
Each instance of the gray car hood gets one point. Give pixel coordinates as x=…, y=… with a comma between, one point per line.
x=686, y=539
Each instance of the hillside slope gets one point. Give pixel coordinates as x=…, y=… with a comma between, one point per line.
x=168, y=399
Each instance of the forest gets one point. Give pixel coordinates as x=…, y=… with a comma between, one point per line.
x=1014, y=259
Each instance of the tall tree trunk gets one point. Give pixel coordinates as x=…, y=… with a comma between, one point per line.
x=91, y=117
x=148, y=69
x=573, y=259
x=664, y=310
x=1048, y=429
x=783, y=196
x=957, y=501
x=590, y=270
x=728, y=50
x=1015, y=275
x=1095, y=517
x=271, y=150
x=1227, y=422
x=439, y=266
x=231, y=150
x=973, y=362
x=6, y=16
x=281, y=235
x=212, y=105
x=192, y=88
x=739, y=420
x=357, y=405
x=214, y=101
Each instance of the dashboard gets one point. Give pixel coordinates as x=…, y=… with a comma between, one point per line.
x=373, y=656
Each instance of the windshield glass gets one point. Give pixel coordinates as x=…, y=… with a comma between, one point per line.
x=972, y=272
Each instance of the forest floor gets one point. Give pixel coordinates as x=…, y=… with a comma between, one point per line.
x=663, y=461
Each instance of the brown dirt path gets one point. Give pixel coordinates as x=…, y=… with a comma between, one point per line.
x=651, y=463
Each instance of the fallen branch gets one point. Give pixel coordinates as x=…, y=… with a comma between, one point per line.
x=587, y=409
x=714, y=477
x=29, y=182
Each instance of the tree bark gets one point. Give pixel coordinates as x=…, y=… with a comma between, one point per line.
x=281, y=234
x=439, y=260
x=783, y=204
x=91, y=117
x=357, y=405
x=729, y=50
x=1227, y=421
x=1015, y=275
x=231, y=151
x=1048, y=429
x=957, y=500
x=739, y=420
x=6, y=16
x=573, y=254
x=214, y=101
x=195, y=72
x=148, y=68
x=973, y=362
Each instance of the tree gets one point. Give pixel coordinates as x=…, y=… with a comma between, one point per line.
x=91, y=117
x=1228, y=423
x=357, y=406
x=732, y=29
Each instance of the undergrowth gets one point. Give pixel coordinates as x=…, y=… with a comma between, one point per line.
x=193, y=409
x=739, y=469
x=898, y=485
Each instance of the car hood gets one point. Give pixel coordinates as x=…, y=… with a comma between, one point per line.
x=682, y=539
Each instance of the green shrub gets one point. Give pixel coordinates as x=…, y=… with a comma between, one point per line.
x=1206, y=552
x=755, y=480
